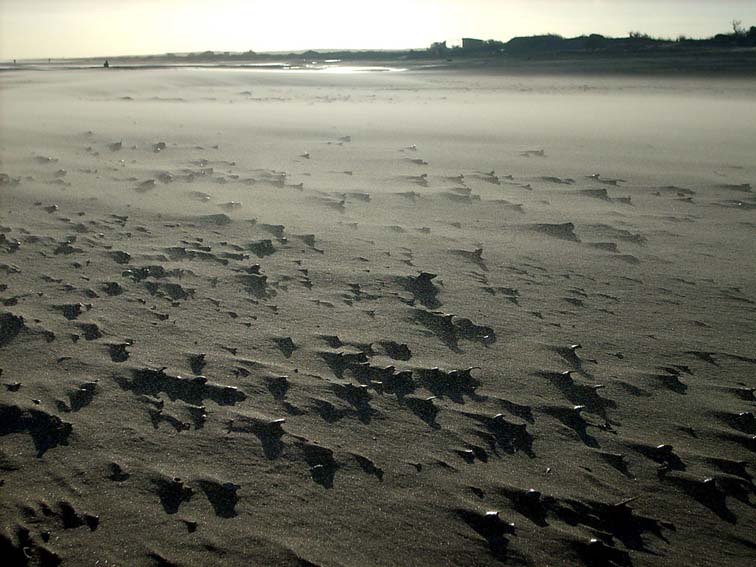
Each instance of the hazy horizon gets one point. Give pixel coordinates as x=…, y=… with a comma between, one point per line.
x=82, y=28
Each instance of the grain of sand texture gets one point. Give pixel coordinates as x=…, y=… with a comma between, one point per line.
x=376, y=319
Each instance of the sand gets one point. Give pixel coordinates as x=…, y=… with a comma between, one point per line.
x=383, y=318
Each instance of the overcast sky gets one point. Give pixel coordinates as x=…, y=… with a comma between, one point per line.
x=72, y=28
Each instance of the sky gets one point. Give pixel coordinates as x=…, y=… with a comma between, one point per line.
x=78, y=28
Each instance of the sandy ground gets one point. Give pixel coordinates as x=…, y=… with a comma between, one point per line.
x=419, y=318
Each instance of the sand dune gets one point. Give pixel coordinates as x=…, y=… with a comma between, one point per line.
x=268, y=318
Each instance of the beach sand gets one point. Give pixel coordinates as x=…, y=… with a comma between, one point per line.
x=382, y=318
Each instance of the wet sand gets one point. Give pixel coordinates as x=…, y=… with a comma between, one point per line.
x=413, y=318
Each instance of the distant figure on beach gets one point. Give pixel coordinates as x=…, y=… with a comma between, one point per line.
x=106, y=65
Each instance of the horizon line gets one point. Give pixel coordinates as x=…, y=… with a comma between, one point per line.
x=353, y=49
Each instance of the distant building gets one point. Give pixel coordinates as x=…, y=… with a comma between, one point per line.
x=472, y=44
x=438, y=48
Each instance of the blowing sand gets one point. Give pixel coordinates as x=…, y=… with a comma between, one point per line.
x=396, y=318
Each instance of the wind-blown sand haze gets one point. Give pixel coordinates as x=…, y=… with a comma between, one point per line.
x=420, y=317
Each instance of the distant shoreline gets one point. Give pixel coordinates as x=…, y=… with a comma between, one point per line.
x=739, y=63
x=725, y=54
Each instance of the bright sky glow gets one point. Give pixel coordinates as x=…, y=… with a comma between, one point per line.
x=73, y=28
